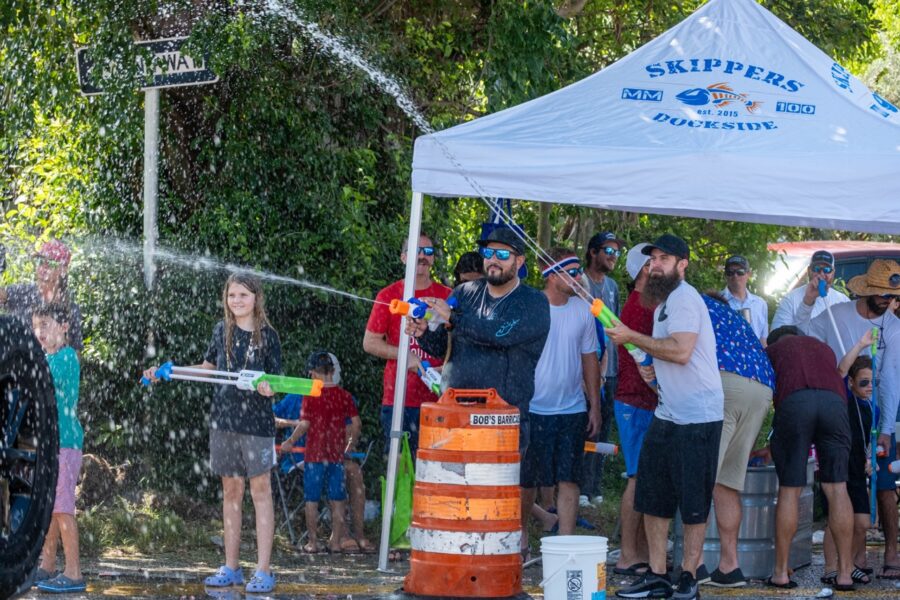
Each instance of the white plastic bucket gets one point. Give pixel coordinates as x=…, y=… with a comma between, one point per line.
x=574, y=567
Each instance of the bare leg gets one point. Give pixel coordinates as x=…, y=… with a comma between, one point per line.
x=312, y=526
x=830, y=551
x=48, y=552
x=657, y=535
x=261, y=492
x=785, y=529
x=338, y=507
x=860, y=526
x=548, y=497
x=232, y=499
x=357, y=492
x=634, y=539
x=68, y=531
x=840, y=521
x=728, y=520
x=887, y=509
x=567, y=507
x=693, y=547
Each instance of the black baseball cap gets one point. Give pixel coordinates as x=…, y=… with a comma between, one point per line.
x=670, y=244
x=319, y=361
x=738, y=261
x=822, y=256
x=506, y=236
x=603, y=237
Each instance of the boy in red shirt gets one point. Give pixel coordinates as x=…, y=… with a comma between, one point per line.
x=323, y=419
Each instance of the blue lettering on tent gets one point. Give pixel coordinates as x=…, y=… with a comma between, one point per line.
x=882, y=106
x=707, y=124
x=841, y=77
x=729, y=67
x=639, y=94
x=795, y=108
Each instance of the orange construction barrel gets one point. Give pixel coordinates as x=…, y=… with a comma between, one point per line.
x=466, y=518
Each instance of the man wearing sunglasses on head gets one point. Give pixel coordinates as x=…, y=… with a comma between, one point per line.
x=383, y=336
x=603, y=252
x=878, y=295
x=804, y=303
x=737, y=274
x=51, y=279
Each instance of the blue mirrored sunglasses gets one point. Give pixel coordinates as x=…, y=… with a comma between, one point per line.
x=610, y=251
x=821, y=269
x=573, y=272
x=427, y=250
x=488, y=253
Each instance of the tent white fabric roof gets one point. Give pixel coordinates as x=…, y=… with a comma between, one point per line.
x=729, y=115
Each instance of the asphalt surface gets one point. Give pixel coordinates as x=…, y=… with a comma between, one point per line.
x=339, y=577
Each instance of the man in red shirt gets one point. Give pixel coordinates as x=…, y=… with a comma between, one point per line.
x=634, y=406
x=383, y=335
x=810, y=406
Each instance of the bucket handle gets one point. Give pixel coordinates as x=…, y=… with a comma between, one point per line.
x=492, y=398
x=570, y=559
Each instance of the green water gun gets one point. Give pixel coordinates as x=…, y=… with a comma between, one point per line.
x=242, y=380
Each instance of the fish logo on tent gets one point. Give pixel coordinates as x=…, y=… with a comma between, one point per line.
x=719, y=95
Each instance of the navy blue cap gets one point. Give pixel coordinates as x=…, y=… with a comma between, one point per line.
x=602, y=238
x=506, y=236
x=670, y=244
x=822, y=257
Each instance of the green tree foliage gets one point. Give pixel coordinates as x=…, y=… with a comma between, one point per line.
x=296, y=164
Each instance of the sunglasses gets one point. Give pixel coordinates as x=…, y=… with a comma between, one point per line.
x=733, y=272
x=888, y=296
x=821, y=269
x=427, y=250
x=610, y=251
x=573, y=272
x=488, y=253
x=864, y=382
x=47, y=262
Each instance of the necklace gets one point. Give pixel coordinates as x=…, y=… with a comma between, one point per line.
x=493, y=308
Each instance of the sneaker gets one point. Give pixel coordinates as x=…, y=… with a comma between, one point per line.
x=62, y=585
x=584, y=501
x=727, y=580
x=703, y=575
x=597, y=500
x=650, y=585
x=687, y=588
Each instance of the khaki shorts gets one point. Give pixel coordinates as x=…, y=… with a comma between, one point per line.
x=746, y=405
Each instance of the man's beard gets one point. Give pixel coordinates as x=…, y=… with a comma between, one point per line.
x=874, y=308
x=504, y=276
x=659, y=287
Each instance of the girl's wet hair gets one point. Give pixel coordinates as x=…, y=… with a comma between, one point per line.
x=254, y=285
x=861, y=362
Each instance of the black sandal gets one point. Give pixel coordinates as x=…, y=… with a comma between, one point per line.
x=859, y=576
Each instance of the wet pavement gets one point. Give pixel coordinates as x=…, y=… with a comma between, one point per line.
x=338, y=577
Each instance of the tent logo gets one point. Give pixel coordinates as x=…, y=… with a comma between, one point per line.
x=719, y=95
x=883, y=107
x=644, y=95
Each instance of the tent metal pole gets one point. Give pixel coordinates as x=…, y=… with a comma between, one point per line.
x=387, y=511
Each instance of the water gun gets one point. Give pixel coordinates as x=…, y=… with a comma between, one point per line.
x=601, y=448
x=415, y=308
x=602, y=313
x=430, y=377
x=243, y=380
x=873, y=433
x=823, y=288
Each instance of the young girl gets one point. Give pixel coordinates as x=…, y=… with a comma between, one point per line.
x=242, y=426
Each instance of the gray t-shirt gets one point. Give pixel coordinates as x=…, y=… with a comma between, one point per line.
x=690, y=393
x=608, y=291
x=23, y=298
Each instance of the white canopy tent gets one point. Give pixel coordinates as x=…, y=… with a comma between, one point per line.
x=729, y=115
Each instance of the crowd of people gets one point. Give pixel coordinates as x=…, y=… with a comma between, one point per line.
x=688, y=377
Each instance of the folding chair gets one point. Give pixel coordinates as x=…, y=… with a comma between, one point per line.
x=288, y=485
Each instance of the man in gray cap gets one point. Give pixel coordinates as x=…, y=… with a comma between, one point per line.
x=751, y=306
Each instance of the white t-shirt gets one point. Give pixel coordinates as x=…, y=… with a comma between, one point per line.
x=690, y=393
x=792, y=310
x=558, y=377
x=851, y=326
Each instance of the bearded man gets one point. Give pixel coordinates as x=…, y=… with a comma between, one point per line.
x=681, y=448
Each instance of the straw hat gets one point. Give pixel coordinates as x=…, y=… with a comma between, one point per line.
x=883, y=277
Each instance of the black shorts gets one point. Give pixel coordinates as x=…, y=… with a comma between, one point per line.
x=677, y=470
x=555, y=451
x=803, y=418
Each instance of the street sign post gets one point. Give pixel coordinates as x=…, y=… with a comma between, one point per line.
x=167, y=67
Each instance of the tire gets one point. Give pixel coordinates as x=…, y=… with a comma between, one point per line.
x=29, y=446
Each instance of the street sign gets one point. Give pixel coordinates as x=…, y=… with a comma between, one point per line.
x=170, y=67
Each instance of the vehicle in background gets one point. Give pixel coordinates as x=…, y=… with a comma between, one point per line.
x=851, y=258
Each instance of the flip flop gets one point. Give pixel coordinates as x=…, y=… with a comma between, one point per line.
x=634, y=570
x=859, y=576
x=866, y=570
x=842, y=587
x=791, y=584
x=885, y=569
x=366, y=547
x=829, y=578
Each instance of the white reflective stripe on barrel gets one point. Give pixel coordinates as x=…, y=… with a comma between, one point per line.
x=491, y=474
x=465, y=542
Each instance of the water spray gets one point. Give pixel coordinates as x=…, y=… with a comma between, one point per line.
x=242, y=380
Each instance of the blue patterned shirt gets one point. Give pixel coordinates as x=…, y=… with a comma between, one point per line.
x=738, y=350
